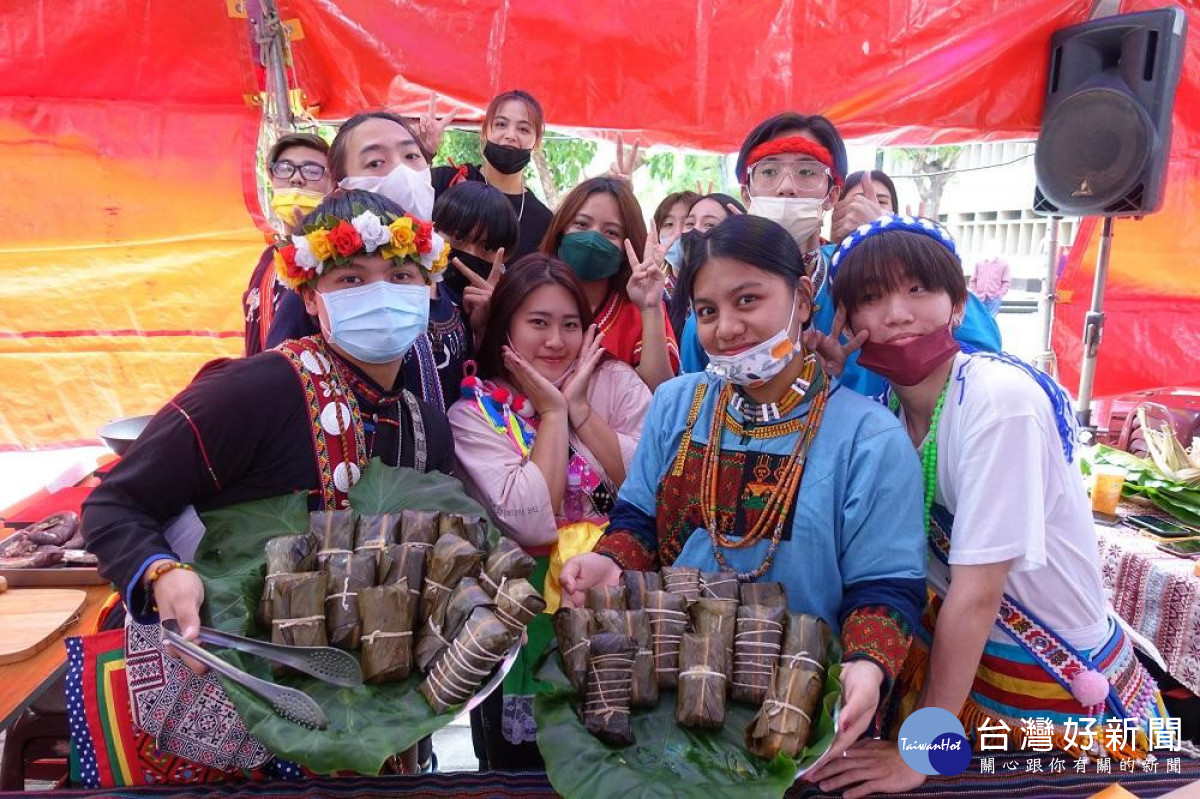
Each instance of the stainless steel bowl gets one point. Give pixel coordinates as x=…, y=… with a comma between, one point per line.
x=121, y=434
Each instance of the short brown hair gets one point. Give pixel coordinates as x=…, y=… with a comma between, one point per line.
x=296, y=140
x=531, y=104
x=523, y=278
x=631, y=221
x=688, y=198
x=883, y=260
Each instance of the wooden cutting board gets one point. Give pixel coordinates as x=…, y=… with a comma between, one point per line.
x=30, y=618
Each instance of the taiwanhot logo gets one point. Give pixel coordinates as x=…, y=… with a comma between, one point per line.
x=932, y=742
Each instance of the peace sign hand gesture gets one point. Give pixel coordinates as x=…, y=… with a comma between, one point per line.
x=626, y=164
x=835, y=349
x=430, y=129
x=647, y=281
x=477, y=296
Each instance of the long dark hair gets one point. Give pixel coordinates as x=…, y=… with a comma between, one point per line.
x=338, y=153
x=523, y=278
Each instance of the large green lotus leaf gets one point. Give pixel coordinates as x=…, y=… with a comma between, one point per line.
x=367, y=724
x=666, y=760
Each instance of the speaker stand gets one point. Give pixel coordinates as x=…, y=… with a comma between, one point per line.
x=1046, y=361
x=1093, y=330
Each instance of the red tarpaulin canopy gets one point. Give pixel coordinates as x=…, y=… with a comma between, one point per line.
x=127, y=132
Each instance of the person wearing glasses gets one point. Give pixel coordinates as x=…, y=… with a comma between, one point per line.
x=792, y=169
x=298, y=168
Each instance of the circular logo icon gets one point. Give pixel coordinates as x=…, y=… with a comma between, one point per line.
x=932, y=741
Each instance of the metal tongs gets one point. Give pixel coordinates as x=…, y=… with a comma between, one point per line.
x=329, y=665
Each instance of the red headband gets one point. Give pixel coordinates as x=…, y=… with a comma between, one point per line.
x=794, y=144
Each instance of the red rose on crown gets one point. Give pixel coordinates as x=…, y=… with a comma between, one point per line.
x=345, y=239
x=288, y=270
x=424, y=238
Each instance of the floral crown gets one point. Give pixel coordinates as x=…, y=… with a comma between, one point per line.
x=926, y=227
x=329, y=240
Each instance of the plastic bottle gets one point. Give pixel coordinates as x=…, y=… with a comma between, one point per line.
x=573, y=497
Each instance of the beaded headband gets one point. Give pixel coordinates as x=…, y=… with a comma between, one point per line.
x=792, y=144
x=327, y=241
x=890, y=222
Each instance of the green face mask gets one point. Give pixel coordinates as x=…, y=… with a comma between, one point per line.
x=590, y=255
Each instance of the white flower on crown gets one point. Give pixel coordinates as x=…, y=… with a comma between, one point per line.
x=371, y=230
x=304, y=254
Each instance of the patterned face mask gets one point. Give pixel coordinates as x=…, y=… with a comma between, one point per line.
x=760, y=363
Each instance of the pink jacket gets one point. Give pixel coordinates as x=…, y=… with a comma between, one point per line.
x=991, y=279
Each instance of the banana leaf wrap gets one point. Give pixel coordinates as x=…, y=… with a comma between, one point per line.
x=785, y=721
x=756, y=647
x=703, y=681
x=436, y=635
x=468, y=528
x=637, y=584
x=682, y=580
x=668, y=618
x=348, y=573
x=387, y=629
x=768, y=593
x=419, y=527
x=376, y=531
x=459, y=671
x=716, y=617
x=334, y=531
x=451, y=559
x=518, y=603
x=719, y=585
x=286, y=554
x=573, y=628
x=634, y=624
x=606, y=701
x=605, y=597
x=403, y=562
x=298, y=610
x=506, y=561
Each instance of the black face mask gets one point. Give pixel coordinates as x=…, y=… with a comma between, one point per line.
x=506, y=160
x=454, y=280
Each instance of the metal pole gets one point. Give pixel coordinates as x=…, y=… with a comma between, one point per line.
x=1046, y=360
x=1093, y=329
x=273, y=39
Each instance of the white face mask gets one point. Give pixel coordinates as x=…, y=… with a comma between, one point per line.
x=801, y=217
x=409, y=189
x=377, y=322
x=761, y=362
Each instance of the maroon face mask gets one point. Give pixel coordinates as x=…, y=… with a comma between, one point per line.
x=911, y=362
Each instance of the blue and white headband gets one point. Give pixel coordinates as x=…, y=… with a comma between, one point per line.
x=926, y=227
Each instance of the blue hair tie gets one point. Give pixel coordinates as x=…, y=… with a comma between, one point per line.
x=889, y=222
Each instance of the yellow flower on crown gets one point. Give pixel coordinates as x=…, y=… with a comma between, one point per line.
x=442, y=260
x=404, y=236
x=318, y=240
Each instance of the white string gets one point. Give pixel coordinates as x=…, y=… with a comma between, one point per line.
x=791, y=660
x=773, y=707
x=285, y=623
x=370, y=637
x=622, y=665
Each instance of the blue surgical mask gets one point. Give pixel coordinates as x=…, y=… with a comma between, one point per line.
x=674, y=254
x=377, y=322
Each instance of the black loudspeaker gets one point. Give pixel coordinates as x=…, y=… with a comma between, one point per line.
x=1106, y=123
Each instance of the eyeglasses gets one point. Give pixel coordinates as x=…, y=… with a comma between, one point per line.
x=308, y=170
x=807, y=176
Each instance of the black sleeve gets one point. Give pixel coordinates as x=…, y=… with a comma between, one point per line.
x=438, y=439
x=253, y=316
x=291, y=321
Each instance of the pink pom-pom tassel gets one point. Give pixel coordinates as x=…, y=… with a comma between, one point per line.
x=1090, y=688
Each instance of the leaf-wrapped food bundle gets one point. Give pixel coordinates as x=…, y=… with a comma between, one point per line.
x=419, y=527
x=506, y=561
x=667, y=614
x=637, y=584
x=634, y=624
x=403, y=562
x=573, y=628
x=682, y=580
x=703, y=681
x=605, y=597
x=286, y=554
x=298, y=610
x=334, y=531
x=518, y=603
x=469, y=528
x=719, y=585
x=785, y=720
x=768, y=593
x=716, y=617
x=467, y=596
x=609, y=688
x=348, y=574
x=481, y=643
x=377, y=531
x=756, y=647
x=387, y=625
x=451, y=560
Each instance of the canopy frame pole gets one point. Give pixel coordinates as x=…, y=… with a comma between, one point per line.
x=272, y=39
x=1093, y=330
x=1047, y=361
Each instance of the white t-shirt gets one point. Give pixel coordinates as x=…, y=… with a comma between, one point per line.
x=1003, y=475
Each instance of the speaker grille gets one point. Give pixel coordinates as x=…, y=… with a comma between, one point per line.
x=1092, y=150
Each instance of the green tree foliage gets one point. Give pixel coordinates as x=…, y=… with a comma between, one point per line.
x=556, y=167
x=933, y=167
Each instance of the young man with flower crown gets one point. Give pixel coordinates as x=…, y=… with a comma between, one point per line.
x=306, y=416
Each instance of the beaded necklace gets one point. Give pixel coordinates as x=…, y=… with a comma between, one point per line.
x=780, y=503
x=929, y=447
x=774, y=411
